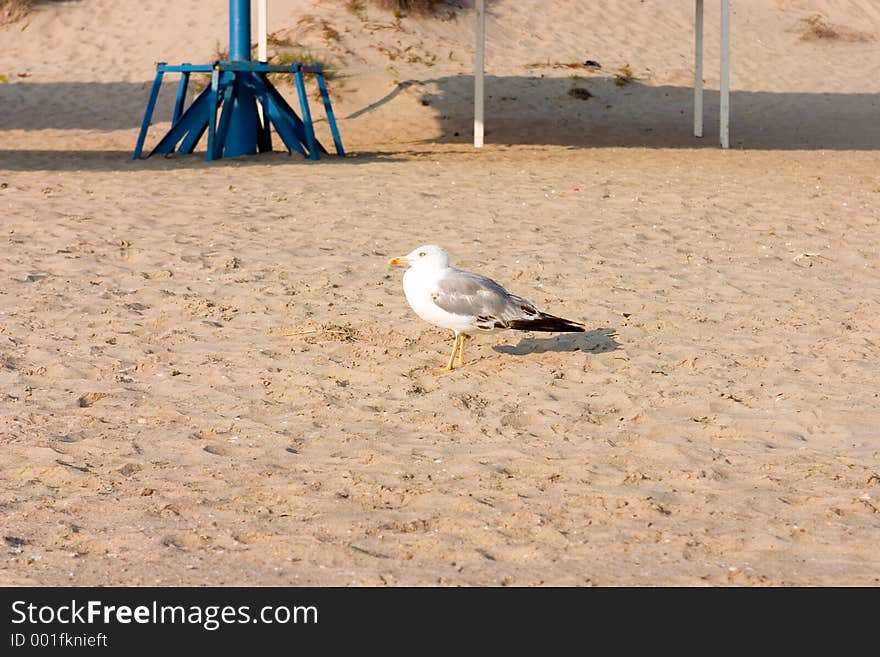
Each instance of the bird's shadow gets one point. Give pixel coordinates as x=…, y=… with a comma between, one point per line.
x=597, y=341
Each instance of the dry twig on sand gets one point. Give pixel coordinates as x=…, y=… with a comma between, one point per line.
x=801, y=256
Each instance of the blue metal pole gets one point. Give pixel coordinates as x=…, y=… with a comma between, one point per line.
x=181, y=97
x=214, y=100
x=241, y=138
x=331, y=118
x=240, y=30
x=311, y=142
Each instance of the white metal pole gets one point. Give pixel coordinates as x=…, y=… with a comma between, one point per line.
x=698, y=70
x=479, y=90
x=262, y=29
x=725, y=73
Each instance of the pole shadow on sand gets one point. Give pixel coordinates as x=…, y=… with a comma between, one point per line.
x=594, y=111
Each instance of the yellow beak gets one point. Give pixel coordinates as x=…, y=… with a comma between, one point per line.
x=398, y=262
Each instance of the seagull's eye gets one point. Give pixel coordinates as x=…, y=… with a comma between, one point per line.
x=422, y=254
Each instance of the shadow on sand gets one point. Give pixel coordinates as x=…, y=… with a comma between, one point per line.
x=116, y=160
x=519, y=110
x=596, y=341
x=593, y=112
x=588, y=111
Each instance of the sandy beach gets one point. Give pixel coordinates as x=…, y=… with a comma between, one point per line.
x=210, y=375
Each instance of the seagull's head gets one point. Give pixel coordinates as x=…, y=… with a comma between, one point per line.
x=429, y=256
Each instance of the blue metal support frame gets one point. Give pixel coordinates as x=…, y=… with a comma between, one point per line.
x=238, y=85
x=245, y=82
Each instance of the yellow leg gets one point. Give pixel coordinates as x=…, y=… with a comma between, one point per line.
x=461, y=350
x=450, y=366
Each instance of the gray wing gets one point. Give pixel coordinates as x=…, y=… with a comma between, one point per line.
x=465, y=293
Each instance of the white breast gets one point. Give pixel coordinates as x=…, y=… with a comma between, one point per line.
x=418, y=286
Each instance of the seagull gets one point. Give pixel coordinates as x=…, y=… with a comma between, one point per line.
x=465, y=302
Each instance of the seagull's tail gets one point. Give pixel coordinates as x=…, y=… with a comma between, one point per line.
x=545, y=322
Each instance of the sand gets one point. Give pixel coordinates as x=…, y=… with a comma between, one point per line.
x=210, y=375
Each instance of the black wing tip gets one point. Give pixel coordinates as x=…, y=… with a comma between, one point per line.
x=547, y=323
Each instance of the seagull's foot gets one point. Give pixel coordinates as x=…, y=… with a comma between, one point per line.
x=443, y=370
x=451, y=364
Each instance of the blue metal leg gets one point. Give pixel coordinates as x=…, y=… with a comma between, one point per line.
x=229, y=95
x=285, y=126
x=285, y=120
x=331, y=118
x=213, y=97
x=192, y=138
x=195, y=134
x=181, y=97
x=306, y=114
x=148, y=115
x=193, y=119
x=264, y=130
